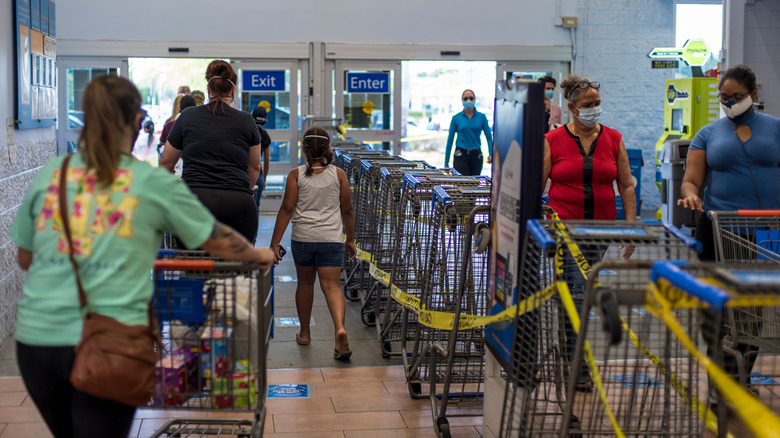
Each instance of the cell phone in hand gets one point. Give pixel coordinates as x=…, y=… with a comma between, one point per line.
x=282, y=251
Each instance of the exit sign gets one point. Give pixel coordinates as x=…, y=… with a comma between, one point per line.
x=263, y=80
x=664, y=63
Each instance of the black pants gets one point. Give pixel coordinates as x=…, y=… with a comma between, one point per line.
x=468, y=161
x=68, y=412
x=231, y=207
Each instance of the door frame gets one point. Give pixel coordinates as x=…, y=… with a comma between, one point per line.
x=64, y=63
x=370, y=135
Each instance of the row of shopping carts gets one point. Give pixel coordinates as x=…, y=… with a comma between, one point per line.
x=417, y=271
x=657, y=345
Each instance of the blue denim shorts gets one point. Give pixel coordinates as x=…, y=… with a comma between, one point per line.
x=320, y=254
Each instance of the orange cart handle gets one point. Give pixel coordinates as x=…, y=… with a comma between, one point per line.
x=760, y=213
x=184, y=265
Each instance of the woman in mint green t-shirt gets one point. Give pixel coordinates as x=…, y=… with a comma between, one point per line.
x=118, y=214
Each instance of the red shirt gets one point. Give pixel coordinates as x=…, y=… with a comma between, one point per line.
x=581, y=186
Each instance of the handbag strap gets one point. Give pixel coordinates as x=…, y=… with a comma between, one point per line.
x=63, y=201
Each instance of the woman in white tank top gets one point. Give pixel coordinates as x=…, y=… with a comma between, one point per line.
x=316, y=199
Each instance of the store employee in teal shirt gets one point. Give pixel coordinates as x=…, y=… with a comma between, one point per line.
x=468, y=124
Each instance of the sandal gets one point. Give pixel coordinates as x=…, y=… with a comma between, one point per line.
x=300, y=342
x=344, y=356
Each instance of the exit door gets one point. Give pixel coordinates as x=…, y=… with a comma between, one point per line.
x=274, y=86
x=368, y=100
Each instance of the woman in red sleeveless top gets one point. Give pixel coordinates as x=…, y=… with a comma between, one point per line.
x=583, y=159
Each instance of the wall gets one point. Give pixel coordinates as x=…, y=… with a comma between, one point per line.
x=762, y=50
x=613, y=39
x=334, y=21
x=29, y=151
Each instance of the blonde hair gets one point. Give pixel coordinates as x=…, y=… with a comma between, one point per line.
x=110, y=106
x=176, y=107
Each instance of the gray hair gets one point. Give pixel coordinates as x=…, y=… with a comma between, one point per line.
x=570, y=85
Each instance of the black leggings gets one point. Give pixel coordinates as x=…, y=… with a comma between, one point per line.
x=231, y=207
x=68, y=413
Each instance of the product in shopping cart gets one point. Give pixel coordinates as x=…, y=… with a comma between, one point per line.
x=178, y=378
x=216, y=351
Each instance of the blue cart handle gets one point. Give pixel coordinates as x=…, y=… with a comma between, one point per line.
x=686, y=282
x=540, y=234
x=690, y=241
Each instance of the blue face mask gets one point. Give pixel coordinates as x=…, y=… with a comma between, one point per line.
x=468, y=104
x=549, y=93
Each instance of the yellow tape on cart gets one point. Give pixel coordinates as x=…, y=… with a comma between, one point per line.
x=759, y=418
x=446, y=320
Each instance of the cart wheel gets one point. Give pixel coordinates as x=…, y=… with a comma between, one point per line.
x=481, y=237
x=368, y=317
x=575, y=427
x=609, y=308
x=444, y=427
x=388, y=347
x=414, y=390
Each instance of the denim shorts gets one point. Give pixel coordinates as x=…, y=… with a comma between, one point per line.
x=320, y=254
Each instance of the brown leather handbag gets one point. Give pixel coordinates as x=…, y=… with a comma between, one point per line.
x=114, y=361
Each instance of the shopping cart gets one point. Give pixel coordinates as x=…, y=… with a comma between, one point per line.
x=747, y=236
x=215, y=322
x=357, y=279
x=412, y=244
x=388, y=314
x=455, y=286
x=708, y=291
x=333, y=125
x=582, y=364
x=370, y=227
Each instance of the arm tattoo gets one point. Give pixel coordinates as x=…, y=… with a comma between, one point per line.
x=236, y=243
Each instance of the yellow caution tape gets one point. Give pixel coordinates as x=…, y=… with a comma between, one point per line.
x=446, y=320
x=574, y=317
x=759, y=418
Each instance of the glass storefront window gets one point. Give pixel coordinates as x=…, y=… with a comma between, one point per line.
x=78, y=79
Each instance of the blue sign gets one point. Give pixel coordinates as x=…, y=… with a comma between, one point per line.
x=263, y=80
x=368, y=82
x=759, y=379
x=289, y=390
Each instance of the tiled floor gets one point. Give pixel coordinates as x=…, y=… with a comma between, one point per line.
x=347, y=403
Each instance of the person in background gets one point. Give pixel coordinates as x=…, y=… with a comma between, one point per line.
x=116, y=254
x=259, y=114
x=143, y=144
x=582, y=160
x=185, y=102
x=200, y=98
x=317, y=200
x=549, y=90
x=221, y=150
x=738, y=157
x=176, y=108
x=468, y=125
x=184, y=89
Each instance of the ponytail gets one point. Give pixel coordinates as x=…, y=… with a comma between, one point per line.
x=221, y=81
x=110, y=106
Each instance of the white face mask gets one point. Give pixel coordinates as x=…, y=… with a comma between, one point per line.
x=738, y=109
x=589, y=116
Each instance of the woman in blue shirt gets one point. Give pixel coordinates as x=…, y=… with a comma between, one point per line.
x=740, y=153
x=468, y=124
x=741, y=156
